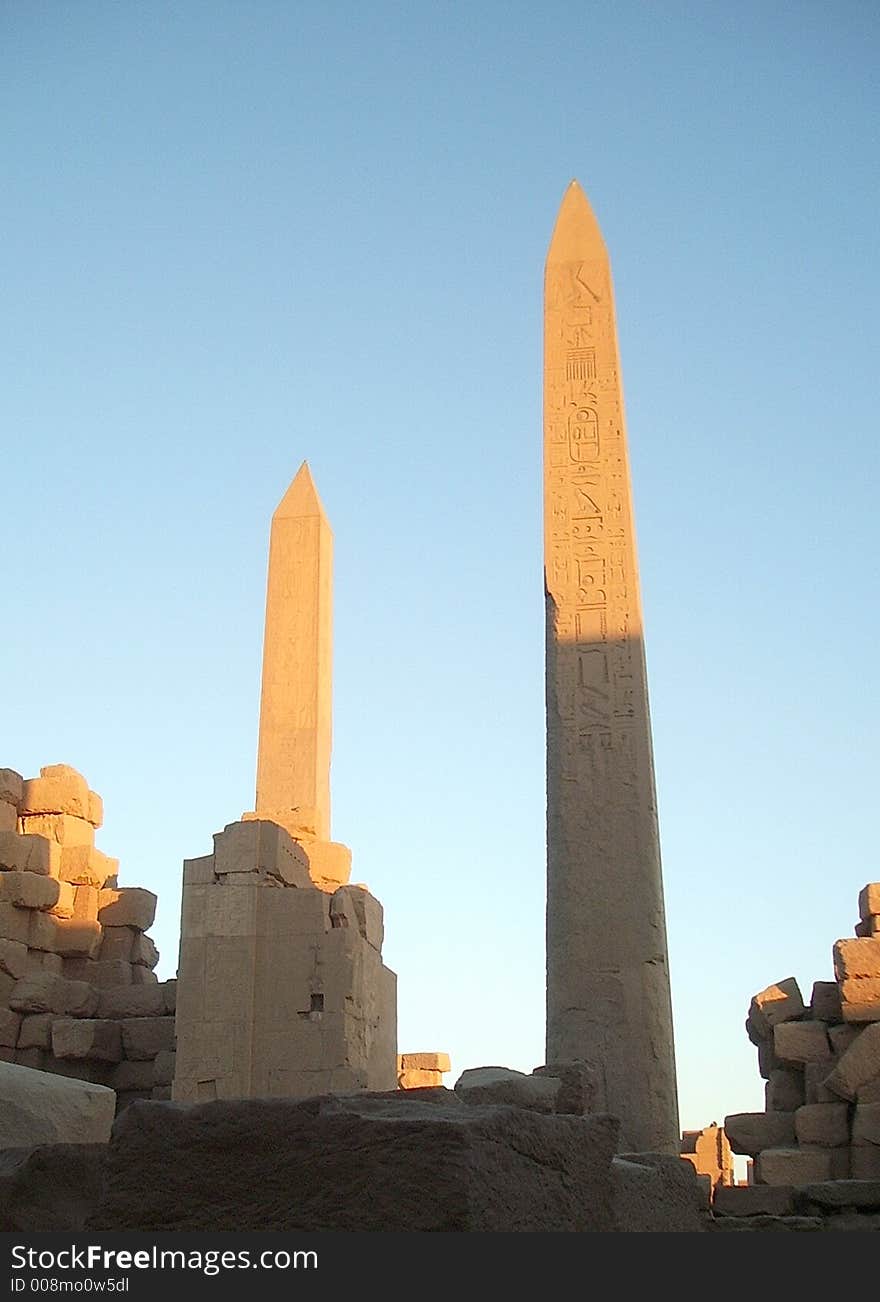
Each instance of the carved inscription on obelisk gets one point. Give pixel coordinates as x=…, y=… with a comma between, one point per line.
x=293, y=760
x=608, y=999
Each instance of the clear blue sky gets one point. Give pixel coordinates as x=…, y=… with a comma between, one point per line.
x=240, y=235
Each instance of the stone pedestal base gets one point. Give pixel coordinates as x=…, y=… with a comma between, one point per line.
x=282, y=992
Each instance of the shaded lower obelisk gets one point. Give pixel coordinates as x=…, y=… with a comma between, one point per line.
x=608, y=998
x=281, y=987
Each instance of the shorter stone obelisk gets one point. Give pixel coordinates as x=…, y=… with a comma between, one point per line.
x=282, y=991
x=293, y=761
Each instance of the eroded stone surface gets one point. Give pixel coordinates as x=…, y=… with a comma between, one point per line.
x=38, y=1108
x=50, y=1187
x=363, y=1163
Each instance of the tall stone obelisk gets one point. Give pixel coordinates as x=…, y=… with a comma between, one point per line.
x=293, y=760
x=608, y=999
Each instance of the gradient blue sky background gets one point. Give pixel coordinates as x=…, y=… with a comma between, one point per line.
x=236, y=236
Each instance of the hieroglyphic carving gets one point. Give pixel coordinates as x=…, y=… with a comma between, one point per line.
x=603, y=846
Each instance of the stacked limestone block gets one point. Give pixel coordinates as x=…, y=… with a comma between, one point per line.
x=328, y=863
x=822, y=1068
x=709, y=1153
x=281, y=987
x=78, y=994
x=420, y=1070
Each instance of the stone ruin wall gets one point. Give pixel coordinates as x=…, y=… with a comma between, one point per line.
x=78, y=994
x=821, y=1064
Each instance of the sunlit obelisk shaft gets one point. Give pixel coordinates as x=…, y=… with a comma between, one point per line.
x=608, y=999
x=293, y=761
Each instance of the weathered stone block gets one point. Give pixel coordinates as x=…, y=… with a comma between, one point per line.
x=329, y=864
x=839, y=1159
x=14, y=958
x=8, y=817
x=40, y=960
x=503, y=1086
x=142, y=976
x=860, y=999
x=793, y=1166
x=38, y=1108
x=83, y=1037
x=815, y=1090
x=426, y=1062
x=824, y=1124
x=416, y=1080
x=825, y=1002
x=11, y=785
x=42, y=992
x=130, y=906
x=286, y=913
x=163, y=1067
x=199, y=872
x=750, y=1132
x=86, y=902
x=32, y=854
x=801, y=1042
x=117, y=944
x=842, y=1037
x=14, y=923
x=65, y=829
x=86, y=866
x=133, y=1075
x=144, y=1037
x=262, y=847
x=59, y=790
x=79, y=1068
x=785, y=1090
x=32, y=1058
x=35, y=1031
x=70, y=937
x=95, y=810
x=132, y=1001
x=50, y=1187
x=280, y=1165
x=655, y=1193
x=857, y=958
x=869, y=1092
x=869, y=900
x=10, y=1027
x=754, y=1200
x=356, y=906
x=143, y=951
x=858, y=1065
x=29, y=890
x=865, y=1162
x=227, y=909
x=866, y=1123
x=777, y=1003
x=581, y=1089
